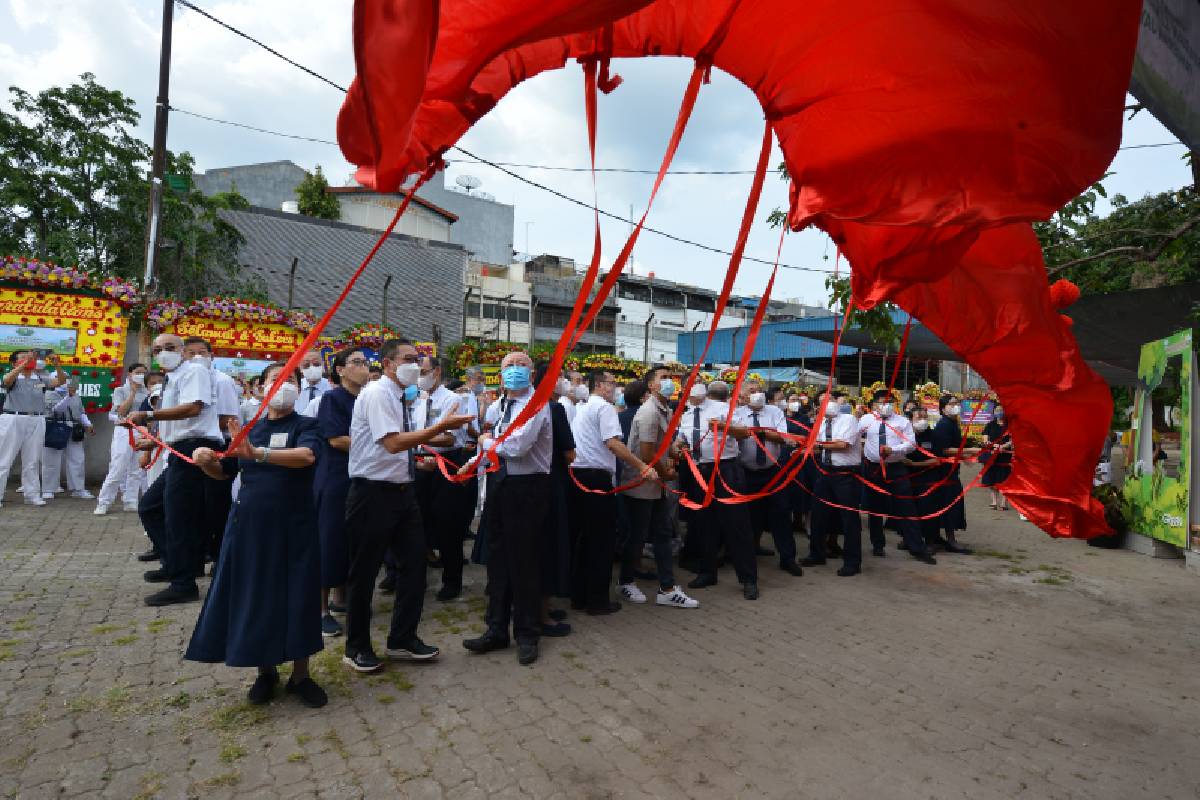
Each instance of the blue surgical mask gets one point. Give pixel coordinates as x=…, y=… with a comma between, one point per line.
x=666, y=387
x=515, y=377
x=411, y=393
x=846, y=408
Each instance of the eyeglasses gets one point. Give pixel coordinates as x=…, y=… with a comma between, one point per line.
x=357, y=362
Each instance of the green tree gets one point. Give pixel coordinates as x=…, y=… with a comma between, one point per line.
x=314, y=198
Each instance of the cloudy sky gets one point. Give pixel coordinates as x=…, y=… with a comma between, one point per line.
x=48, y=42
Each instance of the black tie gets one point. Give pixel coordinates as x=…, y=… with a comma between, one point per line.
x=412, y=472
x=696, y=433
x=506, y=406
x=312, y=393
x=826, y=455
x=760, y=458
x=882, y=439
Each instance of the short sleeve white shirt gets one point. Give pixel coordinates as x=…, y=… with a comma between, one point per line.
x=842, y=428
x=229, y=396
x=189, y=383
x=378, y=411
x=769, y=417
x=596, y=422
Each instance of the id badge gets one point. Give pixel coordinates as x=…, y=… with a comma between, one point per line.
x=278, y=440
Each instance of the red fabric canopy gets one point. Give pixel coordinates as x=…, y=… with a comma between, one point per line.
x=923, y=136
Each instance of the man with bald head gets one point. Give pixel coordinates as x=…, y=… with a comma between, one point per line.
x=518, y=496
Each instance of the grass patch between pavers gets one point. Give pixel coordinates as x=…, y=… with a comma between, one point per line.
x=296, y=758
x=327, y=670
x=336, y=743
x=236, y=718
x=391, y=677
x=107, y=628
x=150, y=785
x=156, y=625
x=124, y=640
x=231, y=751
x=219, y=781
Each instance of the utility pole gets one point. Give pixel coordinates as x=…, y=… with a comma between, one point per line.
x=159, y=159
x=646, y=340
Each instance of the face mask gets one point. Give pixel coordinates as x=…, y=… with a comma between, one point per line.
x=168, y=359
x=666, y=387
x=921, y=425
x=285, y=397
x=40, y=364
x=515, y=377
x=563, y=387
x=846, y=408
x=312, y=374
x=203, y=361
x=885, y=409
x=408, y=374
x=832, y=409
x=794, y=406
x=581, y=393
x=698, y=392
x=477, y=389
x=427, y=382
x=953, y=410
x=411, y=393
x=156, y=391
x=138, y=378
x=758, y=400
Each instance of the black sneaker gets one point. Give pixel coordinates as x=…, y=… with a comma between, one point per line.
x=412, y=650
x=365, y=661
x=170, y=596
x=156, y=576
x=149, y=555
x=309, y=693
x=701, y=581
x=334, y=608
x=447, y=593
x=486, y=643
x=263, y=688
x=527, y=654
x=750, y=591
x=330, y=627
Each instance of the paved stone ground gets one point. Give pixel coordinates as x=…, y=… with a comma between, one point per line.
x=1036, y=669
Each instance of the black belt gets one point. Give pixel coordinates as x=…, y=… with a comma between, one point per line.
x=373, y=484
x=26, y=413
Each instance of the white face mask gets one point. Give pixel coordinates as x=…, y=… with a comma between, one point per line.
x=285, y=398
x=832, y=409
x=758, y=400
x=312, y=374
x=408, y=374
x=427, y=382
x=885, y=409
x=581, y=393
x=794, y=406
x=921, y=425
x=698, y=393
x=138, y=378
x=564, y=387
x=168, y=359
x=953, y=410
x=156, y=390
x=204, y=361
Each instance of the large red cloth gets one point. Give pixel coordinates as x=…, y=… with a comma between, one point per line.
x=924, y=136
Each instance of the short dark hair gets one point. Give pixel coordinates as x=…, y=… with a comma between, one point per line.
x=441, y=364
x=839, y=394
x=882, y=394
x=455, y=385
x=944, y=401
x=594, y=377
x=197, y=340
x=651, y=371
x=388, y=350
x=134, y=366
x=155, y=373
x=539, y=371
x=339, y=360
x=635, y=391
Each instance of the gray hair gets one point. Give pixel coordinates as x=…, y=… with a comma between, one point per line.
x=474, y=372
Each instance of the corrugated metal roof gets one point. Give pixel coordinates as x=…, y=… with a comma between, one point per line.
x=774, y=342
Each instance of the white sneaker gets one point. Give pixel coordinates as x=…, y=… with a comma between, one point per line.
x=131, y=507
x=676, y=598
x=101, y=510
x=34, y=501
x=47, y=495
x=632, y=593
x=83, y=494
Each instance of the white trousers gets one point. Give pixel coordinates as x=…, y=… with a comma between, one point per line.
x=54, y=462
x=124, y=474
x=25, y=435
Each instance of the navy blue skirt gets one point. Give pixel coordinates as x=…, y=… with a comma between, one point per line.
x=330, y=497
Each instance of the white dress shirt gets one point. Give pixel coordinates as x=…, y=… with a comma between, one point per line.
x=378, y=411
x=842, y=428
x=769, y=417
x=119, y=396
x=898, y=435
x=228, y=393
x=309, y=393
x=530, y=448
x=596, y=422
x=695, y=425
x=466, y=436
x=190, y=382
x=441, y=402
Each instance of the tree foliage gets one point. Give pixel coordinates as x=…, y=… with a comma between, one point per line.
x=74, y=189
x=314, y=199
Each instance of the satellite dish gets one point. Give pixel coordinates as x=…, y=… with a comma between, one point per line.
x=468, y=182
x=485, y=195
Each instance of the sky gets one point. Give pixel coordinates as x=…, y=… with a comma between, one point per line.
x=51, y=42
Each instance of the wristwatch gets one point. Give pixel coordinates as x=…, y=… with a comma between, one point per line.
x=150, y=415
x=266, y=451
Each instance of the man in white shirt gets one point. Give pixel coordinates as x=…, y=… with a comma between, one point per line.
x=314, y=384
x=888, y=438
x=23, y=421
x=381, y=509
x=124, y=475
x=518, y=495
x=187, y=417
x=598, y=445
x=838, y=456
x=760, y=455
x=564, y=395
x=218, y=495
x=717, y=522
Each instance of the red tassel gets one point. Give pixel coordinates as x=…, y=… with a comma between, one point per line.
x=1063, y=293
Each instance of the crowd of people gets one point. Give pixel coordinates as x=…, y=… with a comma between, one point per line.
x=368, y=478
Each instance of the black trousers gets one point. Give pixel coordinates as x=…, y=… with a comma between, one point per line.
x=383, y=516
x=152, y=511
x=515, y=513
x=451, y=509
x=896, y=502
x=772, y=513
x=724, y=522
x=594, y=523
x=838, y=486
x=185, y=491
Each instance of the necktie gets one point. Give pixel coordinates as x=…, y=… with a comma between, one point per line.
x=696, y=432
x=312, y=393
x=760, y=457
x=882, y=440
x=506, y=407
x=826, y=455
x=412, y=472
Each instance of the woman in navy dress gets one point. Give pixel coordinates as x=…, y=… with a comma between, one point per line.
x=999, y=464
x=332, y=483
x=263, y=606
x=947, y=441
x=926, y=472
x=556, y=534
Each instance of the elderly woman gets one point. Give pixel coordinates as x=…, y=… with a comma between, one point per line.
x=263, y=607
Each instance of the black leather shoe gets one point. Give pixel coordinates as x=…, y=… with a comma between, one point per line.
x=702, y=581
x=813, y=562
x=486, y=643
x=527, y=654
x=170, y=596
x=309, y=693
x=925, y=558
x=447, y=593
x=833, y=549
x=957, y=549
x=792, y=569
x=612, y=608
x=879, y=553
x=750, y=591
x=149, y=555
x=155, y=576
x=263, y=688
x=847, y=572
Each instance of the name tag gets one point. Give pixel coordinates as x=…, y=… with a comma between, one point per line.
x=278, y=440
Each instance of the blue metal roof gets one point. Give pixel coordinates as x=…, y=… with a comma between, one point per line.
x=774, y=342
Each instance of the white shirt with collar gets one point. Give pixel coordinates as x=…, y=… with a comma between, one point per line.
x=530, y=448
x=190, y=382
x=898, y=435
x=309, y=393
x=709, y=410
x=119, y=396
x=228, y=394
x=769, y=417
x=569, y=404
x=596, y=422
x=466, y=436
x=841, y=428
x=380, y=410
x=441, y=402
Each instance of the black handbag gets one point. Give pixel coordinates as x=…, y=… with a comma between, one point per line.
x=78, y=432
x=58, y=434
